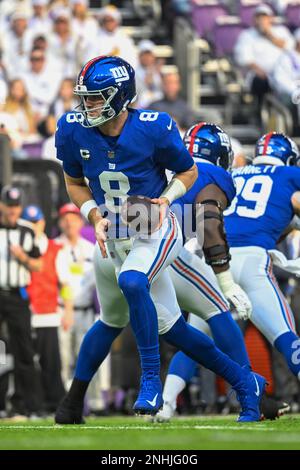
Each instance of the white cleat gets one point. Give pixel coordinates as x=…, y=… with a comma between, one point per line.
x=165, y=414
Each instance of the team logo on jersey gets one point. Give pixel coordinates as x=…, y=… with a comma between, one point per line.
x=120, y=73
x=111, y=166
x=85, y=154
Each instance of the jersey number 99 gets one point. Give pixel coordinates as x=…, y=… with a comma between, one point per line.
x=255, y=190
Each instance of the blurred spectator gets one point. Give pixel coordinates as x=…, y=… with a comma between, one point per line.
x=286, y=75
x=64, y=102
x=40, y=22
x=9, y=127
x=110, y=39
x=259, y=47
x=41, y=82
x=43, y=294
x=171, y=102
x=78, y=254
x=18, y=105
x=148, y=77
x=84, y=26
x=63, y=44
x=16, y=43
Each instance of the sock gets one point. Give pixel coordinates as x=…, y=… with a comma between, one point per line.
x=94, y=349
x=289, y=345
x=202, y=349
x=228, y=337
x=143, y=318
x=183, y=366
x=173, y=386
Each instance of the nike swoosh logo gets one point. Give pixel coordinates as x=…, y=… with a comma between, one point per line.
x=153, y=402
x=257, y=392
x=169, y=127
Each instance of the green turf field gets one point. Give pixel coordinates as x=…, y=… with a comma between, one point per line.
x=136, y=433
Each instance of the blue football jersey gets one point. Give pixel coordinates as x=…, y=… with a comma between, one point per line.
x=262, y=208
x=207, y=174
x=133, y=164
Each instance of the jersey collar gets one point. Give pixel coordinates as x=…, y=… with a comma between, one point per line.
x=264, y=160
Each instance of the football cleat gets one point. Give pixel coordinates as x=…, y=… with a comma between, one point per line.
x=249, y=392
x=69, y=413
x=273, y=409
x=149, y=400
x=166, y=413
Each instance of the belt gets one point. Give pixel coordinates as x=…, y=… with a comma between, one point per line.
x=9, y=290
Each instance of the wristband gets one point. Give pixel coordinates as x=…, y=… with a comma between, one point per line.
x=225, y=280
x=86, y=208
x=174, y=190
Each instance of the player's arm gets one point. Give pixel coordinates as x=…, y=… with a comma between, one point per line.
x=178, y=186
x=81, y=196
x=295, y=200
x=210, y=204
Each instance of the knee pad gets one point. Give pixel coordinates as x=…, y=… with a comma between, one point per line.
x=133, y=283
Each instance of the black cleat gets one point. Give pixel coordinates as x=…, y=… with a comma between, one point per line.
x=69, y=413
x=273, y=409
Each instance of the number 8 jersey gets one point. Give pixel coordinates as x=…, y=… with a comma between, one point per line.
x=132, y=164
x=262, y=207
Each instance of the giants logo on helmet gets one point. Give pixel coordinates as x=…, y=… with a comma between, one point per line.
x=120, y=73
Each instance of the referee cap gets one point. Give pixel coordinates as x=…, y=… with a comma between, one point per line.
x=11, y=196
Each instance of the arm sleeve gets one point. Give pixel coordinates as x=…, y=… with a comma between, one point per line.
x=62, y=267
x=65, y=153
x=171, y=152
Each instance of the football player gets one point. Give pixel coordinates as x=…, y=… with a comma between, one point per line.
x=200, y=285
x=121, y=151
x=261, y=211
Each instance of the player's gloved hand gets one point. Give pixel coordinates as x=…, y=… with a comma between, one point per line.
x=164, y=206
x=235, y=295
x=101, y=226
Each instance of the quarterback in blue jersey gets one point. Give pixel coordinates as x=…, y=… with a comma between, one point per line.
x=124, y=152
x=259, y=214
x=110, y=151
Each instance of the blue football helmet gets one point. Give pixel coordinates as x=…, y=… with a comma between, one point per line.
x=209, y=142
x=111, y=79
x=274, y=148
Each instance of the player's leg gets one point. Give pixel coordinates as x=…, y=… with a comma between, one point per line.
x=252, y=268
x=97, y=341
x=197, y=291
x=201, y=348
x=148, y=257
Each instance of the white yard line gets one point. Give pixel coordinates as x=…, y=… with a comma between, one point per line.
x=197, y=427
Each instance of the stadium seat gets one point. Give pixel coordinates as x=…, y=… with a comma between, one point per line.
x=204, y=16
x=225, y=34
x=246, y=10
x=292, y=15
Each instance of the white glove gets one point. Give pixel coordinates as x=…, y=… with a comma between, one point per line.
x=235, y=295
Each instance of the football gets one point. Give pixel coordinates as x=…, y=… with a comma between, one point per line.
x=140, y=214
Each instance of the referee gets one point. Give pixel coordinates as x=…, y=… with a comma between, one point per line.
x=19, y=256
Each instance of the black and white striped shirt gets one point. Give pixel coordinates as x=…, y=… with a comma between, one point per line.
x=13, y=274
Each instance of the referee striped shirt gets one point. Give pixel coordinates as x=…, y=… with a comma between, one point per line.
x=14, y=274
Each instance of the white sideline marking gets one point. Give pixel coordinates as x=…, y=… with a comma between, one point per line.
x=56, y=427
